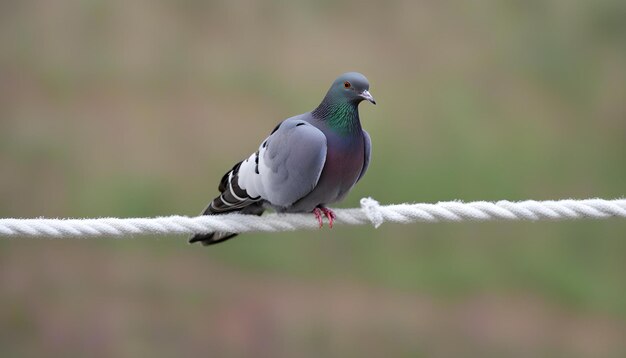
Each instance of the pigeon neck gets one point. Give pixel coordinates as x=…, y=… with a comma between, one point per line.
x=342, y=117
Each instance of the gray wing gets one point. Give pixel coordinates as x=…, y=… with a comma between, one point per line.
x=288, y=164
x=367, y=141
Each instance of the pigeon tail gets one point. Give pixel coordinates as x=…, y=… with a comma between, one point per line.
x=232, y=199
x=213, y=238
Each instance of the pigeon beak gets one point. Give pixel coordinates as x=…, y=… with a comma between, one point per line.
x=366, y=95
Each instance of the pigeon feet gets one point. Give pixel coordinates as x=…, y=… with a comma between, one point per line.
x=330, y=215
x=318, y=215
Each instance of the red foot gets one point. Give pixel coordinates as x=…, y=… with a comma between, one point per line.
x=318, y=215
x=329, y=215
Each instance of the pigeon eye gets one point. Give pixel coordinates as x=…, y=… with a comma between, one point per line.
x=347, y=84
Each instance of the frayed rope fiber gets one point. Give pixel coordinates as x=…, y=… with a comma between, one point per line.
x=371, y=212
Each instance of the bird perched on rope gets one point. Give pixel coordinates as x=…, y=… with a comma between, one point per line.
x=307, y=162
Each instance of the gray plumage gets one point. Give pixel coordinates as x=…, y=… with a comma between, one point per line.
x=307, y=162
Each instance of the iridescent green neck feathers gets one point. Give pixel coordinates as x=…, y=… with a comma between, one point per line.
x=340, y=116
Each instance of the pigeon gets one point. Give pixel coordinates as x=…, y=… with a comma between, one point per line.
x=307, y=162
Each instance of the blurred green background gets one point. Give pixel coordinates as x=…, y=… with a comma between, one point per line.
x=115, y=108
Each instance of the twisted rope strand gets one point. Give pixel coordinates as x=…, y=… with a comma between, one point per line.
x=370, y=212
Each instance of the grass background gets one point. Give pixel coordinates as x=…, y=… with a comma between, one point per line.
x=113, y=108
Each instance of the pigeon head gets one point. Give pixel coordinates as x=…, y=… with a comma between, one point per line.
x=339, y=108
x=351, y=87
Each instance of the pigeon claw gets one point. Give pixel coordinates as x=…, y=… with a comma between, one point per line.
x=330, y=215
x=318, y=215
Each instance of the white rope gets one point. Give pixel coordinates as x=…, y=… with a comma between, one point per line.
x=370, y=212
